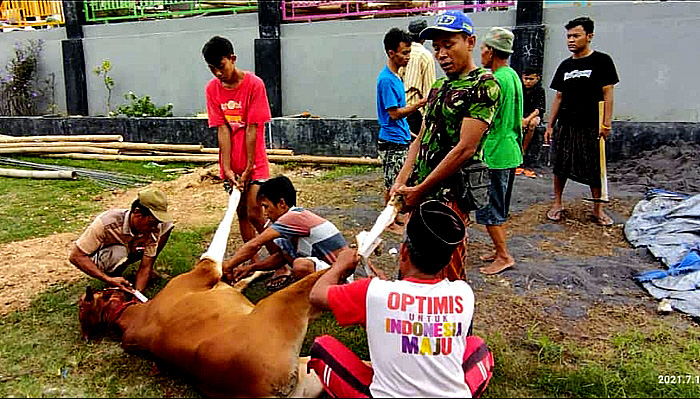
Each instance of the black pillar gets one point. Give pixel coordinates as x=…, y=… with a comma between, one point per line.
x=74, y=58
x=529, y=36
x=268, y=55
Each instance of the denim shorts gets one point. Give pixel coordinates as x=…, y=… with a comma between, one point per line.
x=496, y=212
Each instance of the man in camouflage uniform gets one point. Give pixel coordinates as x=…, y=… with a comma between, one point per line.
x=459, y=111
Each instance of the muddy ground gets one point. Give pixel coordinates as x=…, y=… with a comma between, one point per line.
x=565, y=268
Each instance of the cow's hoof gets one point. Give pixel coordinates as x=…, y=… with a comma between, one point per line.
x=278, y=282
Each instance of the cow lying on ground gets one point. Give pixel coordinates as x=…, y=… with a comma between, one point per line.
x=210, y=331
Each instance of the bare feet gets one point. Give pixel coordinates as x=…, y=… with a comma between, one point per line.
x=498, y=265
x=488, y=257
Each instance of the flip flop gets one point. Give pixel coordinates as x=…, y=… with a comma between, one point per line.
x=607, y=221
x=278, y=282
x=555, y=215
x=529, y=173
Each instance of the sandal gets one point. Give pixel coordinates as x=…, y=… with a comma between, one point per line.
x=555, y=215
x=278, y=282
x=605, y=221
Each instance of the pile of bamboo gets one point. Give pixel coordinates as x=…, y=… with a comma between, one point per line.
x=113, y=147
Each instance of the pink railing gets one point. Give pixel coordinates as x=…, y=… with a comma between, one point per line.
x=293, y=10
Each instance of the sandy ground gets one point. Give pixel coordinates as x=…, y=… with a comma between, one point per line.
x=577, y=262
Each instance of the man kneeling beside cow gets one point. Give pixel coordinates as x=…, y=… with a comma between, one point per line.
x=418, y=328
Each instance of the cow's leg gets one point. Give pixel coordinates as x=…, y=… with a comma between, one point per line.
x=217, y=248
x=243, y=283
x=309, y=385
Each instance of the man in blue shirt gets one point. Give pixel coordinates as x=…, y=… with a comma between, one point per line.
x=394, y=132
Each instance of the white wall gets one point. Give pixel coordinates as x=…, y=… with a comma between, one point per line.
x=50, y=58
x=162, y=58
x=330, y=68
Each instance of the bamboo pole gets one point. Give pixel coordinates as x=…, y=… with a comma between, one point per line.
x=210, y=158
x=188, y=148
x=277, y=152
x=61, y=138
x=65, y=149
x=23, y=173
x=304, y=159
x=195, y=158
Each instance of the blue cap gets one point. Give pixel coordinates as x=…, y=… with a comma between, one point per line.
x=449, y=21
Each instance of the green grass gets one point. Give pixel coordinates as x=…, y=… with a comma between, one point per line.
x=352, y=170
x=35, y=208
x=43, y=355
x=630, y=367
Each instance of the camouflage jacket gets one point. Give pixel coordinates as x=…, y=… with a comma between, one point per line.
x=474, y=95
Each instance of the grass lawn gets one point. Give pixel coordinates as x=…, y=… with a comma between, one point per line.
x=43, y=355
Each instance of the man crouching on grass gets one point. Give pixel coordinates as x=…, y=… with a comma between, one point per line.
x=120, y=237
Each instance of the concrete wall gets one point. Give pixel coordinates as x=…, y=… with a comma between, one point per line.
x=330, y=68
x=654, y=46
x=162, y=58
x=50, y=59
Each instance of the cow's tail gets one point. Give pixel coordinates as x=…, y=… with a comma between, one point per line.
x=217, y=248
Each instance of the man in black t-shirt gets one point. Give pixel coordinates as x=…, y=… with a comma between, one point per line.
x=581, y=81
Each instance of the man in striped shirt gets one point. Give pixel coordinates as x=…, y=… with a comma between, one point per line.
x=305, y=241
x=418, y=76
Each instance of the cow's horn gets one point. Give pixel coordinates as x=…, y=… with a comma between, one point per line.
x=217, y=248
x=88, y=294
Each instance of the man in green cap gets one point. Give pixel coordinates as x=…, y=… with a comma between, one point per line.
x=119, y=237
x=502, y=147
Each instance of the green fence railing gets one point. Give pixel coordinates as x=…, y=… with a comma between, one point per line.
x=114, y=10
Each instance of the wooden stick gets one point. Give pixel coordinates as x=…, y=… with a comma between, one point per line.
x=304, y=159
x=61, y=138
x=23, y=173
x=205, y=158
x=277, y=152
x=64, y=149
x=201, y=158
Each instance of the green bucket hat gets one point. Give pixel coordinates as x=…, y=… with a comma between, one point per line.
x=156, y=202
x=500, y=39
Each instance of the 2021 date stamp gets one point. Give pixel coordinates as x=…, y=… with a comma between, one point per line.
x=679, y=379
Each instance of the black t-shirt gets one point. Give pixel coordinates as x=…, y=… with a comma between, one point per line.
x=581, y=81
x=533, y=99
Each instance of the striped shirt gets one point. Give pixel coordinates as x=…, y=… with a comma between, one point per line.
x=418, y=76
x=310, y=234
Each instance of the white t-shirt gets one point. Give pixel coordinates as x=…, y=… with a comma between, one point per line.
x=416, y=333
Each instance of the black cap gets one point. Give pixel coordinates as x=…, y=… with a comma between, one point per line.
x=435, y=227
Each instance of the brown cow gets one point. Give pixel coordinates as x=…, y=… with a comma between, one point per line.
x=210, y=331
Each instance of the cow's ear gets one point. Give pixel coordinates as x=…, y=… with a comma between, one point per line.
x=89, y=295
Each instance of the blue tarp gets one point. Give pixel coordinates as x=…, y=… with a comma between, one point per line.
x=668, y=224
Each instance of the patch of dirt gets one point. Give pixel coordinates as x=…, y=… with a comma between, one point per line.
x=31, y=266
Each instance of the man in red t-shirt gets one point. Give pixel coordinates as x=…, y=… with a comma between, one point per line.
x=237, y=106
x=417, y=327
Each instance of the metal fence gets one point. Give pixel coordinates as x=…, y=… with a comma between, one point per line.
x=115, y=10
x=18, y=14
x=294, y=10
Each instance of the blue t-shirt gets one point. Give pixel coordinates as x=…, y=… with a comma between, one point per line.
x=390, y=94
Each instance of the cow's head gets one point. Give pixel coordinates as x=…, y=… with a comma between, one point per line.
x=98, y=311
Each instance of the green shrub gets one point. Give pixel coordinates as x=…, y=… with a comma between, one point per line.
x=143, y=107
